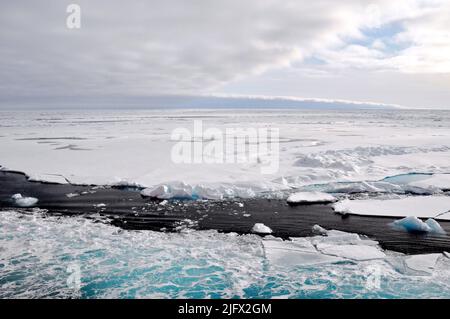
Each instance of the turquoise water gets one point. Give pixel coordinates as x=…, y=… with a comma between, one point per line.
x=78, y=258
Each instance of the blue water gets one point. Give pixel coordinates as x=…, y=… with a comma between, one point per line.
x=45, y=257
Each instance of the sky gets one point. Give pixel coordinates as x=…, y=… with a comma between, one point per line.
x=381, y=51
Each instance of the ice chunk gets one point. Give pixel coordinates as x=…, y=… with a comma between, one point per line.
x=48, y=178
x=261, y=229
x=177, y=190
x=156, y=192
x=340, y=237
x=318, y=230
x=412, y=224
x=310, y=198
x=418, y=206
x=435, y=227
x=21, y=201
x=423, y=263
x=292, y=254
x=354, y=252
x=201, y=191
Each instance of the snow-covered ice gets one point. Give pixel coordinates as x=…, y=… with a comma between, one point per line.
x=134, y=148
x=260, y=228
x=318, y=230
x=418, y=206
x=21, y=201
x=310, y=198
x=423, y=263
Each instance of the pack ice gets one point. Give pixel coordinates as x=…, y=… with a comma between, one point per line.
x=436, y=207
x=334, y=246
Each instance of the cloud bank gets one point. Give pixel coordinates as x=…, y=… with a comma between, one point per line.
x=199, y=47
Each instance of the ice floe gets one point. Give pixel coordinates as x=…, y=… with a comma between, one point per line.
x=435, y=227
x=21, y=201
x=329, y=247
x=412, y=224
x=260, y=228
x=181, y=190
x=310, y=198
x=423, y=263
x=418, y=206
x=353, y=252
x=318, y=230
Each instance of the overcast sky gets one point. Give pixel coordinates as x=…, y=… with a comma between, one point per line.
x=393, y=52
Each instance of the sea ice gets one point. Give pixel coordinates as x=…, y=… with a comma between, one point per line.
x=412, y=224
x=316, y=147
x=288, y=254
x=335, y=246
x=418, y=206
x=21, y=201
x=354, y=252
x=261, y=229
x=422, y=263
x=178, y=190
x=318, y=230
x=310, y=198
x=435, y=226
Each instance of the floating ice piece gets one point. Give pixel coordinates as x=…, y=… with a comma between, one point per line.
x=418, y=206
x=180, y=190
x=21, y=201
x=354, y=252
x=100, y=205
x=412, y=224
x=71, y=195
x=297, y=253
x=156, y=192
x=318, y=230
x=435, y=227
x=342, y=238
x=310, y=198
x=175, y=190
x=48, y=178
x=201, y=191
x=260, y=228
x=423, y=263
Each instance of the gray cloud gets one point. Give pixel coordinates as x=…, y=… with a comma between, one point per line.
x=146, y=47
